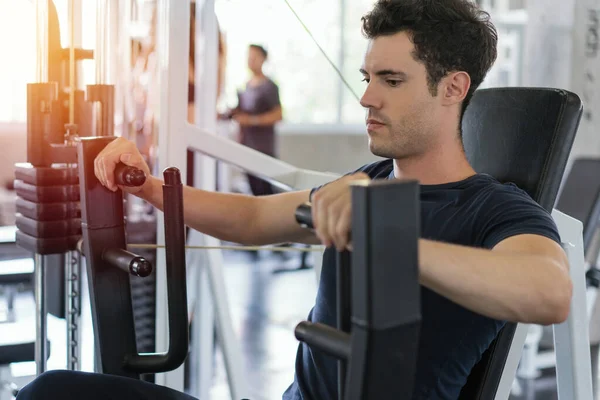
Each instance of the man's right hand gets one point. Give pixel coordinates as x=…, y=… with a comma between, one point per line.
x=119, y=150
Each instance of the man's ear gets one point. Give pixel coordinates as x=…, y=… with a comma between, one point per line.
x=454, y=87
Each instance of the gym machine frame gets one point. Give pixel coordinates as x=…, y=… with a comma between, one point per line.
x=48, y=212
x=571, y=342
x=58, y=172
x=208, y=294
x=378, y=295
x=104, y=247
x=173, y=43
x=571, y=338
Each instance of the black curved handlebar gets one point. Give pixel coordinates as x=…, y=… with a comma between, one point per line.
x=176, y=283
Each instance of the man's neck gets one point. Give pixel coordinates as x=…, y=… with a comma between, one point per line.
x=438, y=166
x=258, y=77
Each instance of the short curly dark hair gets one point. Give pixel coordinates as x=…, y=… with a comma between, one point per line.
x=448, y=35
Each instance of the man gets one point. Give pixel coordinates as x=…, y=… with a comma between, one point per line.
x=259, y=108
x=488, y=253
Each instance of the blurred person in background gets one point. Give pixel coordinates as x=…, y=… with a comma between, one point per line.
x=257, y=112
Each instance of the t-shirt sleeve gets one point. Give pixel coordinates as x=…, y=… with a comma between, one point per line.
x=510, y=212
x=373, y=169
x=273, y=97
x=364, y=168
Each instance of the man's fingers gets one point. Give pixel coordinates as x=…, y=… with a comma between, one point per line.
x=334, y=213
x=108, y=166
x=343, y=228
x=125, y=158
x=101, y=171
x=118, y=151
x=320, y=217
x=97, y=170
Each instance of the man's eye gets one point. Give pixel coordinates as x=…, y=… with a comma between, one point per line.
x=394, y=83
x=365, y=79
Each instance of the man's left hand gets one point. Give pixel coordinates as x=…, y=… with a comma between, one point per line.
x=244, y=119
x=332, y=211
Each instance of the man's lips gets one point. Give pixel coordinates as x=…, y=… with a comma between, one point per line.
x=374, y=124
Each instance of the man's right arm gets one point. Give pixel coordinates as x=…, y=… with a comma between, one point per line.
x=232, y=217
x=238, y=218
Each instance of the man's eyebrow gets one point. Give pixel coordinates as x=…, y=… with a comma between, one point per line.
x=386, y=72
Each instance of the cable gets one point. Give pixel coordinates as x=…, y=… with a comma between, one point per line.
x=323, y=51
x=247, y=248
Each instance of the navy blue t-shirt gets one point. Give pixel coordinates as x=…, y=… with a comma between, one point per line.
x=479, y=212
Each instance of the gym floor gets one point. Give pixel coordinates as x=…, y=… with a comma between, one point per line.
x=265, y=308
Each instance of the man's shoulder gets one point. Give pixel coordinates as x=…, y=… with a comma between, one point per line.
x=271, y=83
x=493, y=191
x=492, y=196
x=504, y=210
x=376, y=170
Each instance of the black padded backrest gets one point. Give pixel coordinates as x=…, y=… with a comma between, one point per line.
x=524, y=136
x=580, y=194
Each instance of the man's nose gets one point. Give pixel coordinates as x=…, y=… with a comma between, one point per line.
x=370, y=98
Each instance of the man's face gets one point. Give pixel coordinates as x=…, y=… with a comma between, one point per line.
x=255, y=59
x=402, y=115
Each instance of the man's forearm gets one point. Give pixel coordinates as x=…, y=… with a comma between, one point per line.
x=222, y=215
x=514, y=287
x=269, y=118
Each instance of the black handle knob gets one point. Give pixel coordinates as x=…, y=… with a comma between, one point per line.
x=129, y=176
x=141, y=267
x=304, y=215
x=128, y=262
x=593, y=277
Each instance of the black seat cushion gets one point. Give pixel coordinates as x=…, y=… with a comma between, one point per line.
x=580, y=194
x=520, y=135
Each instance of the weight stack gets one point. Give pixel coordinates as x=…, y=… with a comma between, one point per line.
x=48, y=221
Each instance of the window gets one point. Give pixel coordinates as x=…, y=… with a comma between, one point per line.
x=510, y=20
x=308, y=85
x=355, y=46
x=17, y=20
x=310, y=89
x=20, y=67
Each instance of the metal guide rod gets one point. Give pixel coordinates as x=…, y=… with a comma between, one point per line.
x=41, y=319
x=100, y=57
x=71, y=62
x=41, y=40
x=344, y=309
x=100, y=40
x=72, y=258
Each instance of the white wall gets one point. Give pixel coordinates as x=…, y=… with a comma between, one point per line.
x=13, y=149
x=554, y=57
x=326, y=148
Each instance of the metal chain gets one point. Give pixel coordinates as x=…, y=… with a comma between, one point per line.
x=73, y=302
